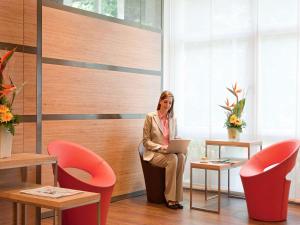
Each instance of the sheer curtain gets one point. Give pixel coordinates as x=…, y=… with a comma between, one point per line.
x=211, y=44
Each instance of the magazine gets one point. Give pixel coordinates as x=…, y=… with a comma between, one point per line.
x=215, y=160
x=50, y=191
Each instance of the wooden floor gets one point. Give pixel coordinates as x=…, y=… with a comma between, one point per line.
x=136, y=211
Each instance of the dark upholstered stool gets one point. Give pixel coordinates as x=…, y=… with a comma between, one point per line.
x=154, y=179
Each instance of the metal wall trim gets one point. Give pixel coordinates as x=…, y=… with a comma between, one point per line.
x=28, y=118
x=91, y=116
x=60, y=6
x=99, y=66
x=20, y=48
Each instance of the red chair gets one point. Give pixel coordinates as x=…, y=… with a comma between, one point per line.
x=264, y=181
x=102, y=180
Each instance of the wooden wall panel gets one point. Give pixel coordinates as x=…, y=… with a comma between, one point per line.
x=114, y=140
x=76, y=37
x=88, y=91
x=29, y=89
x=12, y=17
x=30, y=26
x=11, y=21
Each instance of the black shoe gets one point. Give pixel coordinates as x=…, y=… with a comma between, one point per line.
x=171, y=206
x=179, y=206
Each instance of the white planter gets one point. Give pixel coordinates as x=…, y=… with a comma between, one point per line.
x=5, y=142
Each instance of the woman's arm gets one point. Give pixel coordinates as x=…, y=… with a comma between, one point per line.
x=148, y=143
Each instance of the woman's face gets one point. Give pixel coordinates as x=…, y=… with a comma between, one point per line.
x=166, y=103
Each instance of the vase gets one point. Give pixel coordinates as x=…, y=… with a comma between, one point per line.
x=233, y=134
x=5, y=142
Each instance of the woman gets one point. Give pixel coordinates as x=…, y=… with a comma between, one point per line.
x=159, y=128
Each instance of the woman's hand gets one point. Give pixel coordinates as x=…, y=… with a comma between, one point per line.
x=163, y=149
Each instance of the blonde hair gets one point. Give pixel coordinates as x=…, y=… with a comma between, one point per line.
x=164, y=95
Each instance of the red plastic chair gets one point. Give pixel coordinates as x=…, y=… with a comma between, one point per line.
x=102, y=180
x=264, y=181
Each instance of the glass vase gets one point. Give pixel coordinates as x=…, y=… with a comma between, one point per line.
x=6, y=139
x=233, y=134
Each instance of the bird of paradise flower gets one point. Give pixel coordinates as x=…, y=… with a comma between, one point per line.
x=234, y=110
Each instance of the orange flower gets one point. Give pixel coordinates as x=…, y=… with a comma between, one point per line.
x=7, y=88
x=5, y=59
x=3, y=109
x=6, y=117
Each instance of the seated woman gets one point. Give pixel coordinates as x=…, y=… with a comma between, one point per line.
x=159, y=128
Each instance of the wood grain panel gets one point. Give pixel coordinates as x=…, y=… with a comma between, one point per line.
x=76, y=37
x=30, y=26
x=25, y=138
x=13, y=15
x=11, y=21
x=71, y=90
x=30, y=84
x=114, y=140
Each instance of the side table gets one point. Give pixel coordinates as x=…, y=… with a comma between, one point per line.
x=12, y=193
x=216, y=167
x=23, y=161
x=243, y=144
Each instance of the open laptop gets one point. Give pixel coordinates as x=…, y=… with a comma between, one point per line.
x=178, y=146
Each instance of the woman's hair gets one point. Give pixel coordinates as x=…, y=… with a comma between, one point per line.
x=164, y=95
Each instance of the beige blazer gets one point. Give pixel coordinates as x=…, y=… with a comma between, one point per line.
x=153, y=134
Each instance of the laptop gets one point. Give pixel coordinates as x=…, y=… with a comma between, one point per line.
x=178, y=146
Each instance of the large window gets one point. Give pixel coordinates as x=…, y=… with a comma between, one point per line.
x=145, y=12
x=214, y=43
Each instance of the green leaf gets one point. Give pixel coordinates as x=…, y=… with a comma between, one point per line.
x=239, y=107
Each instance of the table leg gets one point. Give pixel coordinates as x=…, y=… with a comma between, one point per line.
x=248, y=152
x=219, y=191
x=205, y=187
x=205, y=150
x=54, y=221
x=55, y=174
x=260, y=147
x=98, y=213
x=228, y=175
x=191, y=187
x=59, y=217
x=15, y=209
x=219, y=151
x=37, y=216
x=23, y=214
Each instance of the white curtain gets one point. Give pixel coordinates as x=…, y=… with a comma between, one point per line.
x=211, y=44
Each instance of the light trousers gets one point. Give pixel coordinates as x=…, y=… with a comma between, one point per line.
x=174, y=165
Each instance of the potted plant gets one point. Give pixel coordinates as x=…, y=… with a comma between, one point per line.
x=234, y=123
x=8, y=120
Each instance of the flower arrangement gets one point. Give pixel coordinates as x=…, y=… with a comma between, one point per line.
x=234, y=111
x=8, y=92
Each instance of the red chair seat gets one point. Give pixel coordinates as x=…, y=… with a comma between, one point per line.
x=102, y=180
x=264, y=181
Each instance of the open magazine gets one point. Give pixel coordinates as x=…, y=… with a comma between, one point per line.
x=50, y=191
x=222, y=160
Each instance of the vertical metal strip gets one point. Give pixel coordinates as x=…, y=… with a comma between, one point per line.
x=39, y=99
x=162, y=45
x=39, y=79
